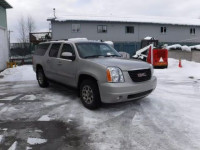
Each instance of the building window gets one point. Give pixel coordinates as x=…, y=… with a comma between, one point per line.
x=76, y=27
x=192, y=31
x=102, y=29
x=163, y=30
x=129, y=29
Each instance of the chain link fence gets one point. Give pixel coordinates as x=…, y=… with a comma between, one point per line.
x=21, y=52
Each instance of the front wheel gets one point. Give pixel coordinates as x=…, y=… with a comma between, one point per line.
x=89, y=93
x=42, y=80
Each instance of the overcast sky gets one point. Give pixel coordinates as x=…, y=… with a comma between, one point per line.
x=40, y=10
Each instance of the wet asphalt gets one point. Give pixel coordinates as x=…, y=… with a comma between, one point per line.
x=153, y=123
x=59, y=135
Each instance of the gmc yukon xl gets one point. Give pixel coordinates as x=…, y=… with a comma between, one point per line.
x=96, y=69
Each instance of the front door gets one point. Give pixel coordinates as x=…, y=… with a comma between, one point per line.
x=67, y=68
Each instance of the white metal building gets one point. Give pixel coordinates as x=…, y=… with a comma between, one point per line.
x=4, y=49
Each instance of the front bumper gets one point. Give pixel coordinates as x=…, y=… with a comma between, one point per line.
x=129, y=90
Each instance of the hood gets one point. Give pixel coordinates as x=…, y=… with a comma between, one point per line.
x=123, y=64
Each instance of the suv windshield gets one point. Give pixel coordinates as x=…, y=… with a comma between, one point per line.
x=89, y=50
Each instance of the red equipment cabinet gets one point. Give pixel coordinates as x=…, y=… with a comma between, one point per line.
x=160, y=58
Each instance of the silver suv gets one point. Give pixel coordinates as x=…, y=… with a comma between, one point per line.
x=96, y=69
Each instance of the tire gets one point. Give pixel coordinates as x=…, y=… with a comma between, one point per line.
x=89, y=93
x=42, y=80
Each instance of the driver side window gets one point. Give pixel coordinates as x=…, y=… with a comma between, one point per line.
x=67, y=48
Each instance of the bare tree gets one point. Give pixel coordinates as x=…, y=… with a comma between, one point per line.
x=22, y=31
x=30, y=24
x=26, y=26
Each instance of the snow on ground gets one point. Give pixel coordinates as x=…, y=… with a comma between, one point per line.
x=44, y=118
x=10, y=97
x=166, y=119
x=28, y=97
x=19, y=73
x=176, y=74
x=1, y=104
x=34, y=141
x=1, y=138
x=14, y=146
x=2, y=94
x=28, y=148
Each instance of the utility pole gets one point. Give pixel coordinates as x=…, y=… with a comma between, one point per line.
x=54, y=12
x=9, y=44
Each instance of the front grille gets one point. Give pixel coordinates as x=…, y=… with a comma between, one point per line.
x=140, y=75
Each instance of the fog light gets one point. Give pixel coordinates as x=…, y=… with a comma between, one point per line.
x=119, y=97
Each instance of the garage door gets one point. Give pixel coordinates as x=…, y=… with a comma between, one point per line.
x=3, y=48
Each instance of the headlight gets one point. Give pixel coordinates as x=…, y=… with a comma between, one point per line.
x=115, y=75
x=152, y=70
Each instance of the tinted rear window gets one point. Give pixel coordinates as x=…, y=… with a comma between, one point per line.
x=54, y=50
x=41, y=49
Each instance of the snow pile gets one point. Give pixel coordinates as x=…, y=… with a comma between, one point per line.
x=148, y=38
x=175, y=46
x=19, y=73
x=186, y=48
x=195, y=47
x=179, y=47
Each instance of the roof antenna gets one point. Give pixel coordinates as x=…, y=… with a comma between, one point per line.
x=54, y=12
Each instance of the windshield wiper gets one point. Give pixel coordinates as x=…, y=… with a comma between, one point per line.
x=93, y=56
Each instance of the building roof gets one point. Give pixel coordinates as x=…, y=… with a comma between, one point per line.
x=134, y=19
x=5, y=4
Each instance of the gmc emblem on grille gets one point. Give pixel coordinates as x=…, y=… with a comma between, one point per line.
x=140, y=75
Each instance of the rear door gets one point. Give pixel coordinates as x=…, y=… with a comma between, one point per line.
x=51, y=62
x=66, y=68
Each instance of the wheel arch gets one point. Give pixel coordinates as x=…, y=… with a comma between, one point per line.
x=83, y=77
x=38, y=66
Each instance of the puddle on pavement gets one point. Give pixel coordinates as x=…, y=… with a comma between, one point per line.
x=56, y=134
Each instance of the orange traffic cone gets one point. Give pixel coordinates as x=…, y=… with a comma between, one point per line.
x=180, y=65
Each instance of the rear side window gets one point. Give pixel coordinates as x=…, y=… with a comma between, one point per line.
x=41, y=49
x=54, y=50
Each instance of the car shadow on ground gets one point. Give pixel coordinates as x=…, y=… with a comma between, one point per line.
x=73, y=93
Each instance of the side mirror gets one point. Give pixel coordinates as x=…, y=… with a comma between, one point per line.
x=68, y=55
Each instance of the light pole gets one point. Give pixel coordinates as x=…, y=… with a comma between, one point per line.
x=9, y=32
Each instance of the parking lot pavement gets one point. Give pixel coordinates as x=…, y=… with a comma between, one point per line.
x=24, y=121
x=54, y=118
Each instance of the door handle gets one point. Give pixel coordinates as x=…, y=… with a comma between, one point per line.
x=48, y=61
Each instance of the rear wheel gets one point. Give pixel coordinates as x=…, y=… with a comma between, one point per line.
x=89, y=93
x=42, y=80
